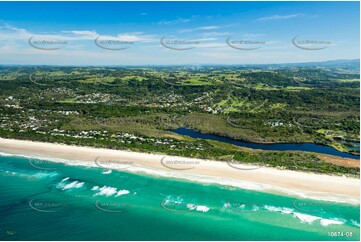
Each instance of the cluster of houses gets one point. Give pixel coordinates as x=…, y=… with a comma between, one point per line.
x=126, y=138
x=22, y=122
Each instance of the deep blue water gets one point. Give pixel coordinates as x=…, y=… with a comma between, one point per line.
x=311, y=147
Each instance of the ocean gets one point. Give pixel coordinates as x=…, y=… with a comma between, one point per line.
x=41, y=200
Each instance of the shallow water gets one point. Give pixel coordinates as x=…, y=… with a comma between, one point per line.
x=62, y=202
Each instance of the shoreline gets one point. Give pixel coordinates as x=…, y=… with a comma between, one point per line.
x=286, y=182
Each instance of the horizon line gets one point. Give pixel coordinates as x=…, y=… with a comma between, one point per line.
x=190, y=64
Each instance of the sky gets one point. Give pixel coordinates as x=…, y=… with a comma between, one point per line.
x=177, y=33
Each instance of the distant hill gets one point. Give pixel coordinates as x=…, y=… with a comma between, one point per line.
x=342, y=63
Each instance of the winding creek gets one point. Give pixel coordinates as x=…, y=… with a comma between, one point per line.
x=311, y=147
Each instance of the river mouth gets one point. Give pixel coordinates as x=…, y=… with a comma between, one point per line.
x=310, y=147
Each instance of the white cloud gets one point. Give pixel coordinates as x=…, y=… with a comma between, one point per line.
x=279, y=17
x=175, y=21
x=81, y=50
x=208, y=27
x=212, y=27
x=12, y=34
x=82, y=33
x=250, y=35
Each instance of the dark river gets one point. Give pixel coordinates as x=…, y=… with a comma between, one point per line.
x=311, y=147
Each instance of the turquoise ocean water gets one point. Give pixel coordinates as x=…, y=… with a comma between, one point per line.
x=62, y=202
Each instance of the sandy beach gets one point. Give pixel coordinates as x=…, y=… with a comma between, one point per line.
x=283, y=181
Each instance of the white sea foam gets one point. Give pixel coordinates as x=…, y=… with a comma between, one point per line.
x=327, y=222
x=355, y=223
x=255, y=208
x=199, y=208
x=203, y=209
x=9, y=172
x=283, y=210
x=52, y=159
x=106, y=191
x=6, y=154
x=191, y=206
x=240, y=207
x=109, y=191
x=72, y=185
x=37, y=175
x=179, y=201
x=95, y=188
x=107, y=172
x=122, y=192
x=305, y=218
x=45, y=174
